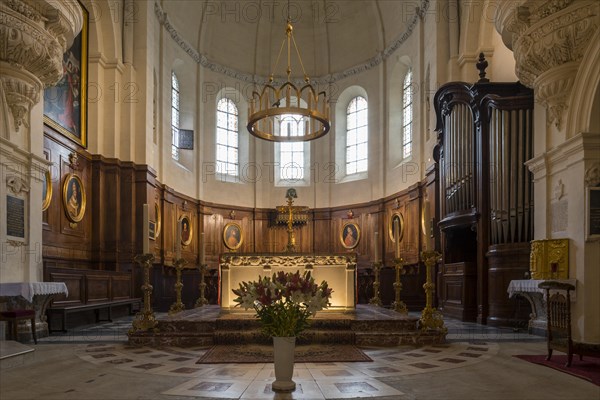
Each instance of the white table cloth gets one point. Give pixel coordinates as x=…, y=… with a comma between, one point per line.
x=531, y=286
x=30, y=289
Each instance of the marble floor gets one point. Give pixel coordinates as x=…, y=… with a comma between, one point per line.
x=95, y=362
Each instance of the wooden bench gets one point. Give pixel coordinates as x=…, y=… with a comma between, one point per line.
x=559, y=323
x=64, y=310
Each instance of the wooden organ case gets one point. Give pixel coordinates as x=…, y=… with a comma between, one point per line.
x=485, y=134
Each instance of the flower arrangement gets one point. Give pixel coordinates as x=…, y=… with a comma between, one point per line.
x=284, y=302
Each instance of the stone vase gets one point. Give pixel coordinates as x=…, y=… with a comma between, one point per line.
x=283, y=354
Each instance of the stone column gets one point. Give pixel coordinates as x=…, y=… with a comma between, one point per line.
x=551, y=41
x=34, y=34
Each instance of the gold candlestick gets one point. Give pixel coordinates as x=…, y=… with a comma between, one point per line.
x=376, y=299
x=291, y=246
x=398, y=305
x=145, y=319
x=178, y=306
x=202, y=301
x=430, y=317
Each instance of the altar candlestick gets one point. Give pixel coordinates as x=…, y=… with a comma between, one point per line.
x=202, y=249
x=178, y=242
x=376, y=244
x=145, y=230
x=397, y=237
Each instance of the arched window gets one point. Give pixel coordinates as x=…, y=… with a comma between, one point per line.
x=227, y=138
x=407, y=115
x=291, y=154
x=174, y=116
x=357, y=136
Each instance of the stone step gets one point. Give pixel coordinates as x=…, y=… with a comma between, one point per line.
x=414, y=338
x=176, y=339
x=256, y=336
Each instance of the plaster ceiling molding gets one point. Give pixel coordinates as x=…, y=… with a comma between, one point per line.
x=592, y=175
x=351, y=26
x=35, y=34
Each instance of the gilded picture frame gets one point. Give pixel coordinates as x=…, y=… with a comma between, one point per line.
x=74, y=198
x=350, y=235
x=65, y=104
x=158, y=216
x=46, y=190
x=396, y=216
x=233, y=236
x=187, y=230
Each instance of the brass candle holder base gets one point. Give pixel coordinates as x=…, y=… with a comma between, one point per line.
x=178, y=306
x=376, y=299
x=145, y=319
x=202, y=301
x=398, y=305
x=431, y=319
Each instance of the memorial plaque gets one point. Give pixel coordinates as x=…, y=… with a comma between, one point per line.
x=594, y=212
x=15, y=217
x=152, y=230
x=186, y=139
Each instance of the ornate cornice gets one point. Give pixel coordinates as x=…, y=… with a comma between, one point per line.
x=549, y=40
x=214, y=66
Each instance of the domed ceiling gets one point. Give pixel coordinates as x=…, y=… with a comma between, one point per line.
x=333, y=36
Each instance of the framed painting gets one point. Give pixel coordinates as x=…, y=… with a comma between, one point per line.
x=396, y=219
x=233, y=237
x=65, y=104
x=187, y=230
x=158, y=216
x=46, y=190
x=74, y=200
x=350, y=235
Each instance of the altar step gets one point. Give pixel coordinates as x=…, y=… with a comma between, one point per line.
x=366, y=326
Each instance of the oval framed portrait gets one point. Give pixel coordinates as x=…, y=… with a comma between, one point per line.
x=46, y=191
x=233, y=237
x=350, y=235
x=74, y=200
x=397, y=216
x=158, y=217
x=187, y=230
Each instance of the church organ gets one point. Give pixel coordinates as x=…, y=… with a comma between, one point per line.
x=485, y=135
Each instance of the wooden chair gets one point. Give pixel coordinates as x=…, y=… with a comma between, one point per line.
x=13, y=317
x=559, y=323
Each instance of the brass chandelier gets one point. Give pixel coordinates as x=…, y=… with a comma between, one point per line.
x=288, y=114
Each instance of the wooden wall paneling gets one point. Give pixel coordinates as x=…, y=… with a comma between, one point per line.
x=75, y=285
x=106, y=235
x=98, y=288
x=321, y=221
x=262, y=232
x=62, y=240
x=121, y=286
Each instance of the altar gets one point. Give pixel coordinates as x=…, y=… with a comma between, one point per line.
x=31, y=295
x=338, y=270
x=528, y=288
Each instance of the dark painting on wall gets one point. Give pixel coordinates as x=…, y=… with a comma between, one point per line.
x=65, y=104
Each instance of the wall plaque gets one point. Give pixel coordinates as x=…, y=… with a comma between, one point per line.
x=593, y=214
x=15, y=217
